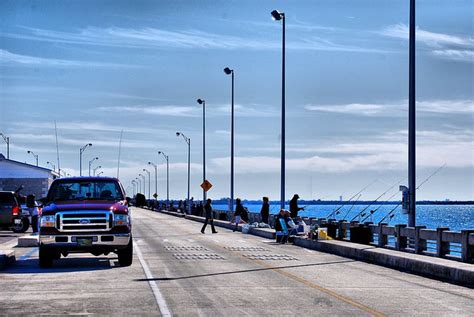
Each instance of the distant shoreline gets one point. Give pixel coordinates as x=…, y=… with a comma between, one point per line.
x=337, y=202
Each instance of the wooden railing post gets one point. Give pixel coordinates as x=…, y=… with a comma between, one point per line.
x=467, y=251
x=383, y=239
x=401, y=242
x=420, y=244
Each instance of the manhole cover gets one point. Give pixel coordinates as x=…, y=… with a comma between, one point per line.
x=270, y=257
x=203, y=256
x=245, y=249
x=185, y=248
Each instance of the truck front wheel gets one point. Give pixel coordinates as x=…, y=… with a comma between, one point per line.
x=125, y=256
x=45, y=257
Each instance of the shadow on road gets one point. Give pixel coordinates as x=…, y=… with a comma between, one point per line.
x=63, y=265
x=240, y=272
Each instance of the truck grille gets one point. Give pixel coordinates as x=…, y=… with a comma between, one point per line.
x=83, y=220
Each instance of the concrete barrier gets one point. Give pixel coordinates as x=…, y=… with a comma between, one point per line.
x=446, y=270
x=7, y=257
x=28, y=241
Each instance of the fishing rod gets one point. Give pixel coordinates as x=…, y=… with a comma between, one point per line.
x=375, y=210
x=373, y=202
x=353, y=204
x=421, y=184
x=344, y=203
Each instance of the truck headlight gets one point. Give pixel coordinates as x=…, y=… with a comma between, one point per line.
x=48, y=221
x=121, y=220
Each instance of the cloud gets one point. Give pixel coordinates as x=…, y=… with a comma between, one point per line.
x=8, y=58
x=183, y=39
x=459, y=107
x=442, y=45
x=175, y=111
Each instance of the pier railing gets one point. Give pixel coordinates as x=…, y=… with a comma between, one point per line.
x=439, y=242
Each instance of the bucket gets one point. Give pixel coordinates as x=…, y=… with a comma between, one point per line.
x=245, y=228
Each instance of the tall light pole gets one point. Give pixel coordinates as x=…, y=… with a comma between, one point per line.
x=139, y=184
x=412, y=122
x=95, y=169
x=277, y=16
x=134, y=183
x=188, y=141
x=167, y=175
x=82, y=149
x=7, y=141
x=52, y=165
x=229, y=71
x=90, y=164
x=35, y=156
x=156, y=178
x=144, y=183
x=149, y=182
x=203, y=103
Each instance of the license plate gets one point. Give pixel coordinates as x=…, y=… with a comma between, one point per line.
x=17, y=221
x=84, y=242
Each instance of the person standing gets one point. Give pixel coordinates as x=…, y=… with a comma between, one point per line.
x=294, y=206
x=239, y=210
x=33, y=210
x=209, y=216
x=265, y=211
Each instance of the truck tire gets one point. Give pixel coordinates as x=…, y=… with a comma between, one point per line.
x=45, y=257
x=22, y=227
x=125, y=256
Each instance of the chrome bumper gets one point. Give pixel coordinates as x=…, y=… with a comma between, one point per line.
x=65, y=240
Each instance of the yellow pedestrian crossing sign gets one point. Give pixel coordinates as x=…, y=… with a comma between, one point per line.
x=206, y=185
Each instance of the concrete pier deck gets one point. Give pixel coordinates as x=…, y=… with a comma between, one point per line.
x=179, y=271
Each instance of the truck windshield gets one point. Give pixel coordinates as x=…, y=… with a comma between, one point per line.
x=86, y=190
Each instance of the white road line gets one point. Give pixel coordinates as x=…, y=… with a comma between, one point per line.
x=156, y=291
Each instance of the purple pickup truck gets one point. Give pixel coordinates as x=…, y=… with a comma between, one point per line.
x=85, y=215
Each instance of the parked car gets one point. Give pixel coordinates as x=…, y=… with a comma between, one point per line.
x=12, y=215
x=85, y=215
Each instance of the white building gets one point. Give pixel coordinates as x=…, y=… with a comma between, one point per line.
x=36, y=180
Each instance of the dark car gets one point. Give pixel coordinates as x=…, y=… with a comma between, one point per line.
x=12, y=216
x=85, y=215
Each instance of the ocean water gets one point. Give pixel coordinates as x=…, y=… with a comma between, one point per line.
x=455, y=217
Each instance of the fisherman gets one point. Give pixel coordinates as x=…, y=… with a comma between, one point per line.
x=265, y=211
x=278, y=228
x=209, y=217
x=239, y=210
x=294, y=206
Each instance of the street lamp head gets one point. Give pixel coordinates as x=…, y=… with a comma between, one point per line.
x=178, y=133
x=200, y=101
x=96, y=158
x=228, y=71
x=90, y=144
x=29, y=152
x=159, y=152
x=149, y=163
x=277, y=16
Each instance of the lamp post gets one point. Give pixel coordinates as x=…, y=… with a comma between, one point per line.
x=134, y=186
x=7, y=141
x=102, y=172
x=203, y=103
x=188, y=141
x=90, y=164
x=149, y=182
x=144, y=183
x=35, y=156
x=167, y=175
x=139, y=184
x=412, y=122
x=80, y=157
x=229, y=71
x=277, y=16
x=95, y=169
x=52, y=165
x=156, y=178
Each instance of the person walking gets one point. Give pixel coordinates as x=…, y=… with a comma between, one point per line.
x=265, y=211
x=239, y=210
x=294, y=206
x=209, y=216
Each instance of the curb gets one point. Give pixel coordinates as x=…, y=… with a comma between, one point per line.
x=7, y=257
x=28, y=241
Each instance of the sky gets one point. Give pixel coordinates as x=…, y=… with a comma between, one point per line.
x=99, y=67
